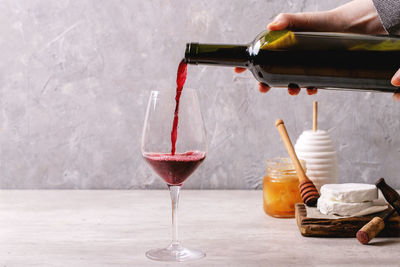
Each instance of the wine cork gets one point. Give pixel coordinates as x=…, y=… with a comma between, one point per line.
x=370, y=230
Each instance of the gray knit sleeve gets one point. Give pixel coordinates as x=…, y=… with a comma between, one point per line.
x=389, y=13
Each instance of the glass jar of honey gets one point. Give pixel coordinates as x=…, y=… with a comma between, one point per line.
x=281, y=188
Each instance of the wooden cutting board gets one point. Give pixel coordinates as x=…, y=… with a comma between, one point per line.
x=344, y=227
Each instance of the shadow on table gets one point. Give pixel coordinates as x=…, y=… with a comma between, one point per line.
x=385, y=242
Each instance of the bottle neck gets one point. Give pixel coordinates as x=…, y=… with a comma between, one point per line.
x=214, y=54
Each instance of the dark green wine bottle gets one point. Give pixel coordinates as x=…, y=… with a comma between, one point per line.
x=310, y=59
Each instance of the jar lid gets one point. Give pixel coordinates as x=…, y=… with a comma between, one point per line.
x=283, y=166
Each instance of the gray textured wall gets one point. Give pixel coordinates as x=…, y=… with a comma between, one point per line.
x=75, y=78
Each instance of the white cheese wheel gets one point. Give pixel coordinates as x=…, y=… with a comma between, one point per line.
x=349, y=192
x=328, y=207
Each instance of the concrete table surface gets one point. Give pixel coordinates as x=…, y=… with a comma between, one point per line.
x=115, y=228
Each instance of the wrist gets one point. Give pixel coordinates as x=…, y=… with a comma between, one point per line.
x=359, y=16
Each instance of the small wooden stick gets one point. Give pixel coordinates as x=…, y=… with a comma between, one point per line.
x=315, y=116
x=308, y=192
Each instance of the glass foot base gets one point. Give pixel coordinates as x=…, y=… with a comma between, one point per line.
x=174, y=252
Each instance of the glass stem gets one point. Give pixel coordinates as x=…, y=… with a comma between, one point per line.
x=174, y=192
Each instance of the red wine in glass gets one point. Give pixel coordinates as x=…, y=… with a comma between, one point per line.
x=174, y=164
x=174, y=169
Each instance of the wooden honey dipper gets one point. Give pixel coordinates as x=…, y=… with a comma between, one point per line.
x=308, y=192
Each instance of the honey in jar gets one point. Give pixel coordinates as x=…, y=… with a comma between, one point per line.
x=281, y=188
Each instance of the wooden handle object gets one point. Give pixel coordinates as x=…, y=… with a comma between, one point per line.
x=372, y=228
x=289, y=147
x=315, y=116
x=391, y=196
x=308, y=192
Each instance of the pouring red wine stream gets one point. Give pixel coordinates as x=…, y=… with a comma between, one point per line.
x=180, y=82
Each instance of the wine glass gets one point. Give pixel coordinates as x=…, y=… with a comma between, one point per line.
x=174, y=168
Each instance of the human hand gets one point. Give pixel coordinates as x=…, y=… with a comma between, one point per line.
x=293, y=89
x=396, y=82
x=358, y=16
